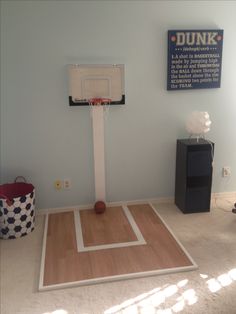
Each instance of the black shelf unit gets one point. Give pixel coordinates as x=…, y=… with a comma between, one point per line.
x=193, y=177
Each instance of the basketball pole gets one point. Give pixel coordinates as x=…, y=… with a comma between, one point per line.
x=99, y=152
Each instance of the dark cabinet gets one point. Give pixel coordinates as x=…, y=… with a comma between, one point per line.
x=193, y=175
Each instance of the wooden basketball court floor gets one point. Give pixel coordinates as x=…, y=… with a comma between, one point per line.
x=128, y=241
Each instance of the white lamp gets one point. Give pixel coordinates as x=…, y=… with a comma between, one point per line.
x=198, y=123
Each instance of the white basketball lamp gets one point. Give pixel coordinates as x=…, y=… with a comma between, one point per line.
x=198, y=124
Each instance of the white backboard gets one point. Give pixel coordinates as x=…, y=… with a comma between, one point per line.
x=96, y=81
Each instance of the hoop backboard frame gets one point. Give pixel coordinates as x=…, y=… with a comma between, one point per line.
x=87, y=81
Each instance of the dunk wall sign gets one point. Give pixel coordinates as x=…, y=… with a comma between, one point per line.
x=194, y=59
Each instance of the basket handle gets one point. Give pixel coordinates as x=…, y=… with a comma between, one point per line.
x=20, y=177
x=8, y=200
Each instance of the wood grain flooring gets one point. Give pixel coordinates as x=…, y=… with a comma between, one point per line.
x=110, y=227
x=63, y=264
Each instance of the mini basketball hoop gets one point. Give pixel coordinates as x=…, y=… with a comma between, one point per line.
x=97, y=86
x=99, y=101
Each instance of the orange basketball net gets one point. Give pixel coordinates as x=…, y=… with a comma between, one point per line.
x=99, y=101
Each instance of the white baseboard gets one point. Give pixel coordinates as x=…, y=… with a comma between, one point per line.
x=45, y=211
x=158, y=200
x=109, y=204
x=223, y=195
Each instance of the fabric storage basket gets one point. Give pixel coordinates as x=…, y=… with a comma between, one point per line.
x=17, y=209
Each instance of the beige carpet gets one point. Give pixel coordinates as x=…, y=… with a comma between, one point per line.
x=210, y=238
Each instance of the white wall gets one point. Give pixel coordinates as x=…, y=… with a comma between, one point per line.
x=44, y=139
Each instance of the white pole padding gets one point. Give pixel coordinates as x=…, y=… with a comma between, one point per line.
x=99, y=153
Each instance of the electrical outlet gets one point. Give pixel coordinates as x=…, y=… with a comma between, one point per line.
x=58, y=185
x=226, y=171
x=67, y=184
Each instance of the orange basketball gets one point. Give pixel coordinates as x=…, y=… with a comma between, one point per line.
x=100, y=207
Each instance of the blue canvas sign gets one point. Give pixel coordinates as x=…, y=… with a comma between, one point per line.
x=194, y=59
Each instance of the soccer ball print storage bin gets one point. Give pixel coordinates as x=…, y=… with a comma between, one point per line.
x=17, y=209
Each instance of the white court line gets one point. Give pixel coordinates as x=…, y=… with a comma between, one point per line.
x=42, y=263
x=79, y=235
x=174, y=236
